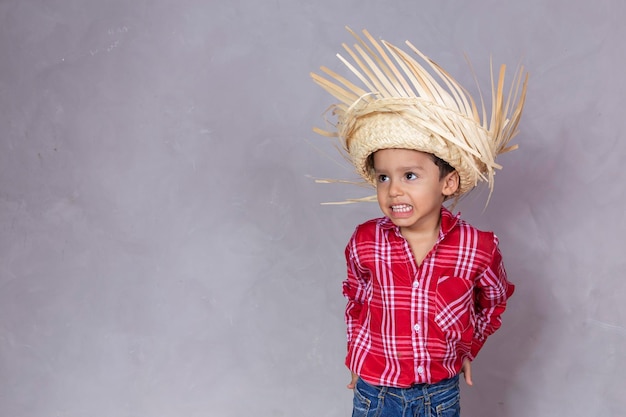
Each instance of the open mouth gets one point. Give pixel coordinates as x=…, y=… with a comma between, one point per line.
x=401, y=208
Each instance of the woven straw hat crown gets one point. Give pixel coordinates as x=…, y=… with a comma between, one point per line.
x=404, y=104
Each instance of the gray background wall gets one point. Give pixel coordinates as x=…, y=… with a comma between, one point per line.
x=163, y=250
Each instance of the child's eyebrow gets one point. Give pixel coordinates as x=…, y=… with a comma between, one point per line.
x=413, y=168
x=403, y=169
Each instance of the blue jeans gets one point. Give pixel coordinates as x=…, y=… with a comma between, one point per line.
x=420, y=400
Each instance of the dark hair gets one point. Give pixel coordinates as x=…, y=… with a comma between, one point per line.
x=444, y=167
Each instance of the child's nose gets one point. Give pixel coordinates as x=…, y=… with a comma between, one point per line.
x=395, y=188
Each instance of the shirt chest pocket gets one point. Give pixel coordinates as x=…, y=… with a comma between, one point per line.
x=454, y=302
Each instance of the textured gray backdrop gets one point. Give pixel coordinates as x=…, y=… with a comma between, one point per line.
x=163, y=251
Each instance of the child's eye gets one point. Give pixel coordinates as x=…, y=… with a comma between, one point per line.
x=382, y=178
x=410, y=176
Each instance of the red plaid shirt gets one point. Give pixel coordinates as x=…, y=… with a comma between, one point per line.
x=410, y=324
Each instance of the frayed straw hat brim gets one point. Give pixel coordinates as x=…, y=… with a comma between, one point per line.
x=404, y=104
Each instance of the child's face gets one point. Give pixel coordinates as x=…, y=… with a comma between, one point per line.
x=409, y=189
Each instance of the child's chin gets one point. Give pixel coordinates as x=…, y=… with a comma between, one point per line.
x=401, y=222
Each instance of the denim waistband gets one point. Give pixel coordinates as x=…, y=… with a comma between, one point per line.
x=419, y=390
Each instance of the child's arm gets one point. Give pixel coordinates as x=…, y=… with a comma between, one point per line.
x=354, y=292
x=491, y=294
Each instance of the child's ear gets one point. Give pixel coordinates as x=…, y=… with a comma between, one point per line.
x=450, y=184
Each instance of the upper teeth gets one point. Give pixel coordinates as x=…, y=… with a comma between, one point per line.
x=403, y=207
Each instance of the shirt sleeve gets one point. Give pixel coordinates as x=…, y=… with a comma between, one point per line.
x=492, y=291
x=354, y=289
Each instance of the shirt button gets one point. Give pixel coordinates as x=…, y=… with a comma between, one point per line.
x=416, y=284
x=417, y=327
x=420, y=370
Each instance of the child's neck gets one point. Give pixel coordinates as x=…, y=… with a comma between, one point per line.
x=422, y=241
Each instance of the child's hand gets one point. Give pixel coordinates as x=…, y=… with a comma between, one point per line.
x=352, y=383
x=466, y=370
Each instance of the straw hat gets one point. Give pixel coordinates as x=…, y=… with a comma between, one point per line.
x=403, y=104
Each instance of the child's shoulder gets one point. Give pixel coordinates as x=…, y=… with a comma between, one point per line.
x=464, y=224
x=373, y=224
x=473, y=235
x=369, y=228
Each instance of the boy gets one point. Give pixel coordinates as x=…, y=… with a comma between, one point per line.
x=424, y=288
